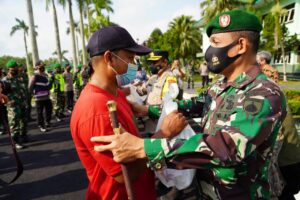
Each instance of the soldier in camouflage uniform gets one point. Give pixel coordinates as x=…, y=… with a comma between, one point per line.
x=232, y=153
x=58, y=96
x=16, y=106
x=263, y=58
x=78, y=81
x=24, y=81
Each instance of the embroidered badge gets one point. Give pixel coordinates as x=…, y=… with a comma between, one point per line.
x=253, y=106
x=224, y=20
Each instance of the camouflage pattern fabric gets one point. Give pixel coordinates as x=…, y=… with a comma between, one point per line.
x=78, y=84
x=58, y=96
x=16, y=108
x=58, y=99
x=24, y=82
x=233, y=151
x=270, y=72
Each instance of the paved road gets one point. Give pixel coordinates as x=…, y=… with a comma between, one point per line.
x=51, y=167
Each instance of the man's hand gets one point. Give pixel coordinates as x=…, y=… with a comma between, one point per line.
x=125, y=147
x=173, y=124
x=3, y=99
x=139, y=110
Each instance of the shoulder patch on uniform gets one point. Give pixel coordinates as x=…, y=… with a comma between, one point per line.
x=253, y=106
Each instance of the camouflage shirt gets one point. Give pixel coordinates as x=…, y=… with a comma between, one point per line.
x=15, y=92
x=270, y=72
x=233, y=151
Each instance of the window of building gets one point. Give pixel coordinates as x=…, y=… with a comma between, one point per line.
x=278, y=58
x=289, y=15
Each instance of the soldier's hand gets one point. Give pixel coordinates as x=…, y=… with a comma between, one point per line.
x=173, y=124
x=124, y=147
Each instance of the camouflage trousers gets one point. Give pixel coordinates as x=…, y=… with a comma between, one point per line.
x=58, y=99
x=17, y=120
x=77, y=92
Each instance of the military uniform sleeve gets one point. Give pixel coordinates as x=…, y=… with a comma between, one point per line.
x=232, y=142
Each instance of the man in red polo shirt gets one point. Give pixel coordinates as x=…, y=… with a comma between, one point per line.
x=111, y=50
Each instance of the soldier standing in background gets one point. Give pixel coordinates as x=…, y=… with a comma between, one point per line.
x=263, y=58
x=24, y=81
x=58, y=96
x=69, y=89
x=78, y=81
x=85, y=75
x=16, y=106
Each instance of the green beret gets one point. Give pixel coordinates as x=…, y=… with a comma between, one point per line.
x=11, y=64
x=234, y=20
x=79, y=66
x=57, y=66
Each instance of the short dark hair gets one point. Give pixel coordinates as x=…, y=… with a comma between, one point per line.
x=252, y=36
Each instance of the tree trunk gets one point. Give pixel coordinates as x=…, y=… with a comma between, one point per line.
x=84, y=57
x=56, y=29
x=89, y=21
x=77, y=49
x=75, y=61
x=28, y=66
x=283, y=60
x=35, y=53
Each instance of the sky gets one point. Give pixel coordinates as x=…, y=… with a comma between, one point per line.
x=139, y=17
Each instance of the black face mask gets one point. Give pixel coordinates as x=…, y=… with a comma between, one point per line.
x=14, y=72
x=154, y=69
x=41, y=69
x=217, y=58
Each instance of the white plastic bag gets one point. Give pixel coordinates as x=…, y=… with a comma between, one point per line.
x=134, y=96
x=181, y=179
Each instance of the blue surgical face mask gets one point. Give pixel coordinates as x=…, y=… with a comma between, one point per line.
x=129, y=76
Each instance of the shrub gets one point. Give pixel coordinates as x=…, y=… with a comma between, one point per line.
x=294, y=106
x=292, y=94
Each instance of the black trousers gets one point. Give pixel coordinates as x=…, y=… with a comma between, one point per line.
x=41, y=106
x=3, y=117
x=70, y=99
x=205, y=80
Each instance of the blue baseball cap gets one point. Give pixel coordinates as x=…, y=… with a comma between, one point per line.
x=112, y=38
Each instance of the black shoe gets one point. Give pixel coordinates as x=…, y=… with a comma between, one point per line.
x=24, y=139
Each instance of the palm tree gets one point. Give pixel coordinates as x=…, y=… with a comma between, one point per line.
x=35, y=53
x=63, y=52
x=276, y=12
x=56, y=28
x=186, y=37
x=21, y=26
x=77, y=31
x=103, y=5
x=211, y=8
x=81, y=5
x=75, y=60
x=88, y=15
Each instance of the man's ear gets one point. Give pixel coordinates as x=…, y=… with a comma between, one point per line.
x=243, y=45
x=107, y=57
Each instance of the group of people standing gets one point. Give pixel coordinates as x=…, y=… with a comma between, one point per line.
x=50, y=91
